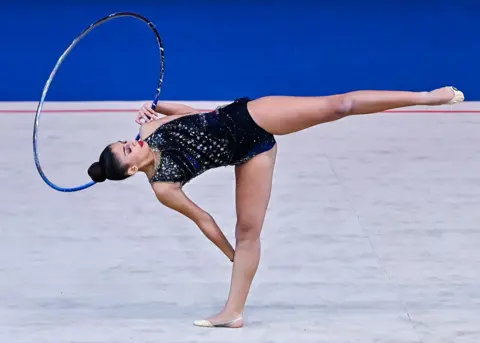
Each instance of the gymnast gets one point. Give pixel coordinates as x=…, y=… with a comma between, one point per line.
x=185, y=142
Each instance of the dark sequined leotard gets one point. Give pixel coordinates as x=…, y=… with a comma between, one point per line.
x=191, y=145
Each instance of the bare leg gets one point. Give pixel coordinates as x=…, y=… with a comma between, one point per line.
x=281, y=115
x=253, y=187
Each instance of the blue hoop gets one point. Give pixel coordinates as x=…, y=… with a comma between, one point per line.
x=54, y=71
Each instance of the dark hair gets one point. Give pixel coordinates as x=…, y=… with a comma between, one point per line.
x=108, y=167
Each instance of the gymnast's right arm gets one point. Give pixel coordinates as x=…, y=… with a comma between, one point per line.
x=172, y=196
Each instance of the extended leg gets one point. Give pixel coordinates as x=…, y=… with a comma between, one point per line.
x=281, y=115
x=253, y=187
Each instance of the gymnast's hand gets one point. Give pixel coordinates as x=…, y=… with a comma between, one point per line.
x=146, y=114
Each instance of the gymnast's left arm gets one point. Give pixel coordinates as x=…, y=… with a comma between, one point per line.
x=170, y=108
x=147, y=113
x=172, y=196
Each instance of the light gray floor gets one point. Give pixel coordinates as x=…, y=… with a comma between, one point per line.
x=372, y=235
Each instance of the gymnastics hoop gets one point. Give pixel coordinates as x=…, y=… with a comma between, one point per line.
x=54, y=72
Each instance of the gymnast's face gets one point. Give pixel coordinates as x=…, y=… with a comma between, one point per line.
x=131, y=154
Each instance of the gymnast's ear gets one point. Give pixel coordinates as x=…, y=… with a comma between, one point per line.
x=132, y=170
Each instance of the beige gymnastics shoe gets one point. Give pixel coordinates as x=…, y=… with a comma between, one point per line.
x=458, y=96
x=233, y=324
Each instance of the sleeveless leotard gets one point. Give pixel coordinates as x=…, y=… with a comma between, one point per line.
x=193, y=144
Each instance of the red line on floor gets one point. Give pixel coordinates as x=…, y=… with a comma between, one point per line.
x=113, y=110
x=89, y=110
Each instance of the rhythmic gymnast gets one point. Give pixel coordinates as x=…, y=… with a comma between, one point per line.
x=185, y=142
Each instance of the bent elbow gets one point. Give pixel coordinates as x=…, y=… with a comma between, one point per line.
x=204, y=219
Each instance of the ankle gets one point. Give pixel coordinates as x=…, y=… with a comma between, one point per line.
x=439, y=96
x=232, y=312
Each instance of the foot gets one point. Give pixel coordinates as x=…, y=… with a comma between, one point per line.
x=223, y=320
x=444, y=96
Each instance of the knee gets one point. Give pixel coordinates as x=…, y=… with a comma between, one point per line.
x=246, y=231
x=343, y=105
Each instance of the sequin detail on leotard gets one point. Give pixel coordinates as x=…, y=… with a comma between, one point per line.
x=193, y=144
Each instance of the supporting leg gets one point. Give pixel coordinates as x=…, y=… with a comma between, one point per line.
x=253, y=187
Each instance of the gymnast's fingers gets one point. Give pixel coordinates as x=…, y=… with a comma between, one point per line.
x=142, y=118
x=152, y=114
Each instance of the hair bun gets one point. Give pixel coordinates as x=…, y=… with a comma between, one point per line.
x=97, y=172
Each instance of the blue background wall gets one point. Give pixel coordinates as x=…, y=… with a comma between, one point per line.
x=220, y=50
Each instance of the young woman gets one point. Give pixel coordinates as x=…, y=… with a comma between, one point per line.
x=187, y=142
